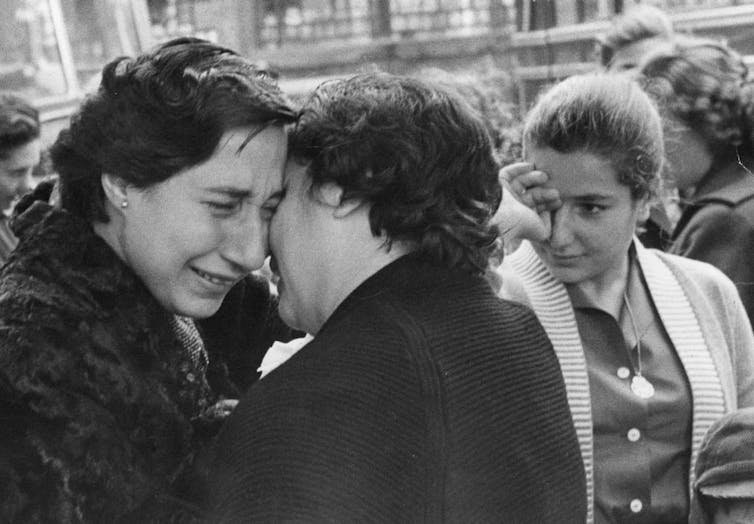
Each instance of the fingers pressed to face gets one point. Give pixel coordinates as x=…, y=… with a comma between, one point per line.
x=528, y=185
x=542, y=198
x=521, y=176
x=512, y=172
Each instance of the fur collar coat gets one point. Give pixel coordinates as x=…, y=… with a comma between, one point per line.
x=103, y=400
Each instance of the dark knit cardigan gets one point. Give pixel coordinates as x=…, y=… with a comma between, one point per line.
x=424, y=398
x=101, y=407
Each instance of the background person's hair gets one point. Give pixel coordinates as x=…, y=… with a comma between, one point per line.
x=639, y=22
x=19, y=123
x=705, y=85
x=158, y=114
x=413, y=150
x=488, y=92
x=607, y=115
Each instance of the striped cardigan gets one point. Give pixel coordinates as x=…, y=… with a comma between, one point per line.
x=701, y=312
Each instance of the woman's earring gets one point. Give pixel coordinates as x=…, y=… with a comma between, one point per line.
x=124, y=204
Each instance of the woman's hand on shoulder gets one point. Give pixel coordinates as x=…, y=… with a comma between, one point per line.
x=524, y=211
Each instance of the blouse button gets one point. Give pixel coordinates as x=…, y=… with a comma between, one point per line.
x=634, y=435
x=623, y=372
x=636, y=506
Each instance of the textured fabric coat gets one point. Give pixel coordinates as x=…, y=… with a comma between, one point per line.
x=699, y=309
x=423, y=398
x=718, y=227
x=101, y=405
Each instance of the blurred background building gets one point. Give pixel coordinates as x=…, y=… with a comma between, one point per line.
x=52, y=50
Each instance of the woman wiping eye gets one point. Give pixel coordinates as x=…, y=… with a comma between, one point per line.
x=654, y=347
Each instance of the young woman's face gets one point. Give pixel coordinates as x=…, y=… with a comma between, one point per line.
x=592, y=230
x=194, y=236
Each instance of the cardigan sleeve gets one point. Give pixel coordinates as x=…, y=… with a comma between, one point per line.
x=714, y=293
x=512, y=286
x=741, y=346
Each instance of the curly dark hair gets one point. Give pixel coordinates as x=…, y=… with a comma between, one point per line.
x=416, y=152
x=19, y=123
x=158, y=114
x=640, y=22
x=607, y=115
x=705, y=84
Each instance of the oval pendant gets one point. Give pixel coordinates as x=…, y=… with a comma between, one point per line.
x=642, y=387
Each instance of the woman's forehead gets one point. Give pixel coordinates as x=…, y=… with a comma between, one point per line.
x=578, y=174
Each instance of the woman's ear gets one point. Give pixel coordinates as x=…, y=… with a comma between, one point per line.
x=331, y=195
x=115, y=190
x=347, y=207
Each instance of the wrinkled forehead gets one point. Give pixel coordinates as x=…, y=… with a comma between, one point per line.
x=576, y=173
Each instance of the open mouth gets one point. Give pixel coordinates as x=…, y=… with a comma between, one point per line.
x=216, y=279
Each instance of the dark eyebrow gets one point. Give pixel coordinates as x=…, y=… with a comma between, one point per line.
x=592, y=197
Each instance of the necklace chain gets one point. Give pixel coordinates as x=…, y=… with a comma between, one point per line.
x=641, y=387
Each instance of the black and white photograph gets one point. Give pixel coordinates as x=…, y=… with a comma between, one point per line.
x=377, y=261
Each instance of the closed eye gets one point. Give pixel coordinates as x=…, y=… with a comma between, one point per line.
x=268, y=212
x=226, y=207
x=271, y=205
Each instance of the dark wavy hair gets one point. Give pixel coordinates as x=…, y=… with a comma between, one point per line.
x=19, y=123
x=416, y=152
x=706, y=85
x=607, y=115
x=640, y=22
x=158, y=114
